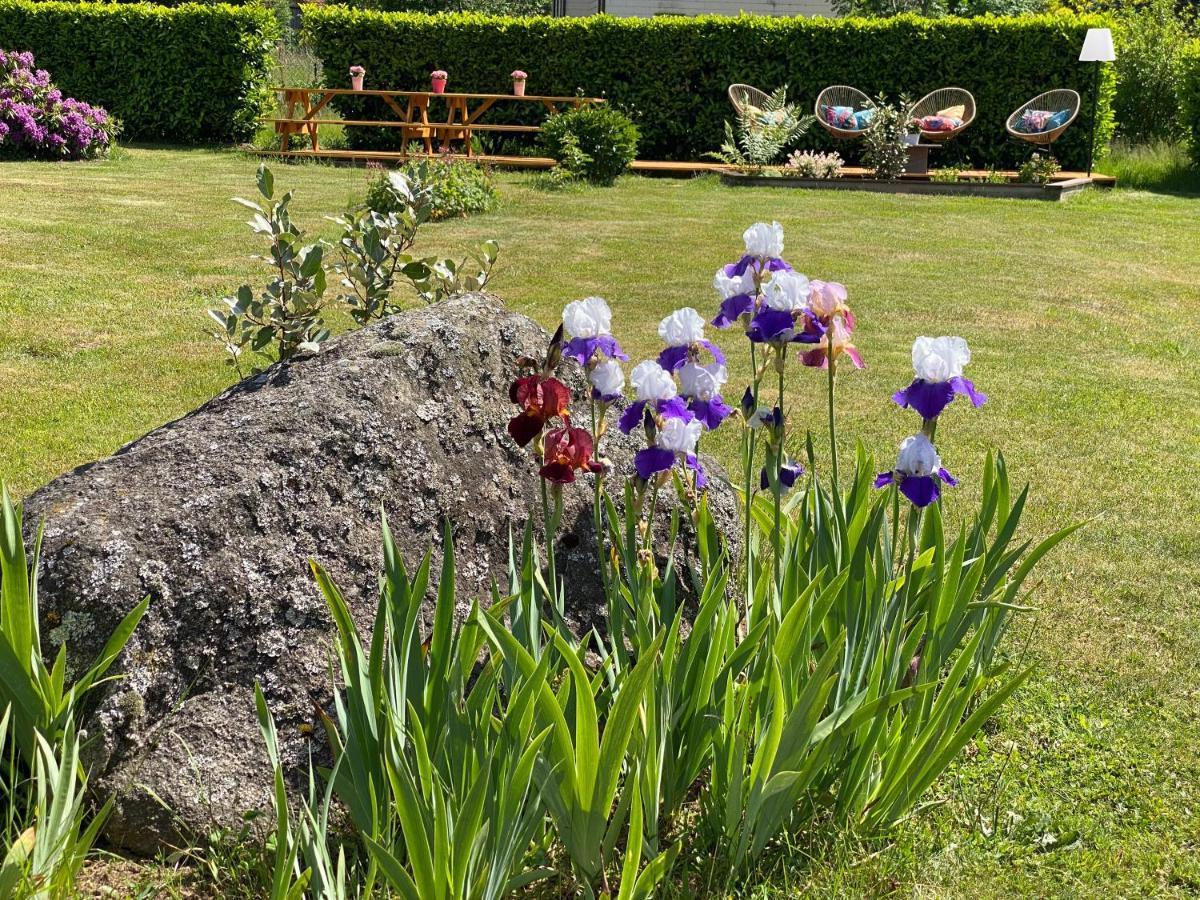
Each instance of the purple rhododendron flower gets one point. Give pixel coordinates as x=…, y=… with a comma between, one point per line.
x=38, y=121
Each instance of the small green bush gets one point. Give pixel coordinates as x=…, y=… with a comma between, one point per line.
x=190, y=74
x=1038, y=169
x=605, y=136
x=885, y=149
x=1150, y=72
x=457, y=188
x=1190, y=96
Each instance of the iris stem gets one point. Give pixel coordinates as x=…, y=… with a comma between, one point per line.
x=597, y=508
x=833, y=451
x=895, y=525
x=748, y=451
x=777, y=488
x=550, y=519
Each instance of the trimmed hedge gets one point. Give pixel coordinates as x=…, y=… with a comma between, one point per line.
x=174, y=2
x=1190, y=96
x=671, y=73
x=191, y=74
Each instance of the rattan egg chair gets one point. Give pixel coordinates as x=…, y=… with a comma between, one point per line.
x=743, y=95
x=1051, y=101
x=842, y=95
x=944, y=98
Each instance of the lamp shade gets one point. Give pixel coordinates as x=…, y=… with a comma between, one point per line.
x=1098, y=46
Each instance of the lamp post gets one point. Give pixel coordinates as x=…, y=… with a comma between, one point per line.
x=1098, y=49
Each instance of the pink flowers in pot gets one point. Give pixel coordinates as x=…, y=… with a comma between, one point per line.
x=519, y=79
x=356, y=77
x=438, y=78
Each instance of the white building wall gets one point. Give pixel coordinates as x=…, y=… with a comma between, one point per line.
x=579, y=7
x=648, y=8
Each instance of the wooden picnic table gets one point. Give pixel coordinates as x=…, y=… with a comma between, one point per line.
x=301, y=107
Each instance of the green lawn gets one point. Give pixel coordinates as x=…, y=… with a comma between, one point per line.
x=1084, y=319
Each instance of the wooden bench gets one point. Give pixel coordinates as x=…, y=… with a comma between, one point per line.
x=302, y=106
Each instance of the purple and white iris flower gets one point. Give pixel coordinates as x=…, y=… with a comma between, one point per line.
x=737, y=295
x=683, y=333
x=607, y=380
x=919, y=473
x=676, y=439
x=653, y=385
x=938, y=364
x=764, y=417
x=785, y=316
x=764, y=250
x=701, y=387
x=789, y=473
x=589, y=322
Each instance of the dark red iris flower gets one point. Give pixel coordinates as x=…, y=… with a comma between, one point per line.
x=541, y=399
x=568, y=450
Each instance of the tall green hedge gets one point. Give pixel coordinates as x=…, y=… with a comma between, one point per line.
x=1190, y=96
x=178, y=2
x=192, y=73
x=671, y=73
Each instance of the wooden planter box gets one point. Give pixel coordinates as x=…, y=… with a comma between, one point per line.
x=1056, y=190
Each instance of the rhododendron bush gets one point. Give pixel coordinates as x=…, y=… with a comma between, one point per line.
x=36, y=120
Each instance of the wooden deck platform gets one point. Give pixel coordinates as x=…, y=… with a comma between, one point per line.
x=641, y=166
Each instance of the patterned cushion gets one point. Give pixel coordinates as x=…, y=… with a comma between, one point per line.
x=1059, y=119
x=863, y=118
x=764, y=117
x=840, y=117
x=938, y=123
x=1035, y=121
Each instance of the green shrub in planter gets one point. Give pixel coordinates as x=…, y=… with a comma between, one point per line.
x=600, y=142
x=884, y=146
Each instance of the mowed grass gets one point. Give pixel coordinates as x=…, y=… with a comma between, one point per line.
x=1084, y=320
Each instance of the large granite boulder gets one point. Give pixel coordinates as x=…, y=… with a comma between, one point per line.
x=216, y=515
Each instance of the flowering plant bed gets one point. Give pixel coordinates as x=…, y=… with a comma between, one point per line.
x=839, y=652
x=37, y=121
x=968, y=184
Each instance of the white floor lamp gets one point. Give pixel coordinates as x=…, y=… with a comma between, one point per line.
x=1098, y=49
